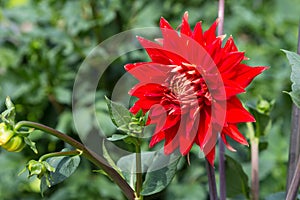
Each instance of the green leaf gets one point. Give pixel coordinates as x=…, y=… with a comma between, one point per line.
x=116, y=137
x=236, y=178
x=118, y=113
x=294, y=60
x=158, y=177
x=64, y=166
x=31, y=144
x=276, y=196
x=8, y=115
x=63, y=95
x=127, y=164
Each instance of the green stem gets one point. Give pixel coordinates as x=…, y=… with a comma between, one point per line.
x=58, y=154
x=86, y=152
x=139, y=178
x=254, y=141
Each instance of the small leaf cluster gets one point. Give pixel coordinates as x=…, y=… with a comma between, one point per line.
x=131, y=124
x=11, y=139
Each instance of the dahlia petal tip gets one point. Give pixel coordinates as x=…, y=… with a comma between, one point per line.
x=186, y=15
x=164, y=23
x=222, y=37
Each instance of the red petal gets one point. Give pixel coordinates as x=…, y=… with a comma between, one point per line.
x=198, y=33
x=230, y=45
x=232, y=131
x=187, y=133
x=211, y=156
x=230, y=63
x=156, y=73
x=232, y=88
x=171, y=144
x=144, y=103
x=156, y=138
x=155, y=51
x=226, y=143
x=165, y=24
x=210, y=34
x=185, y=27
x=245, y=74
x=148, y=90
x=203, y=129
x=236, y=113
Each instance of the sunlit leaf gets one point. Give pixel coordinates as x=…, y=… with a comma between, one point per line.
x=118, y=113
x=294, y=60
x=116, y=137
x=127, y=164
x=64, y=166
x=160, y=173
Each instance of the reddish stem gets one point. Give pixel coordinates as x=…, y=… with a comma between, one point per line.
x=221, y=144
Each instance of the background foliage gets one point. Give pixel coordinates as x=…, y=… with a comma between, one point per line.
x=43, y=42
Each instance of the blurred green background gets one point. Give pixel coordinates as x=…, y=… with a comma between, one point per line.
x=43, y=43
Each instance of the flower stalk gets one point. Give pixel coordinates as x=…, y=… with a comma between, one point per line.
x=213, y=194
x=58, y=154
x=222, y=186
x=86, y=152
x=139, y=178
x=294, y=185
x=254, y=141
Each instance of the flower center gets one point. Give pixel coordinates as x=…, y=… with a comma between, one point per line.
x=187, y=89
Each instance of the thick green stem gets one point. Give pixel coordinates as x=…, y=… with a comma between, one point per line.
x=254, y=141
x=86, y=152
x=58, y=154
x=139, y=175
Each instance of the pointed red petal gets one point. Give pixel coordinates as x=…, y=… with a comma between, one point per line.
x=245, y=74
x=156, y=73
x=230, y=45
x=236, y=113
x=185, y=27
x=226, y=143
x=171, y=144
x=211, y=156
x=198, y=33
x=232, y=131
x=230, y=63
x=148, y=90
x=156, y=138
x=165, y=24
x=210, y=34
x=232, y=88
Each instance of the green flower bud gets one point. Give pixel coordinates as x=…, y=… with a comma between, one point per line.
x=5, y=134
x=39, y=168
x=15, y=144
x=36, y=168
x=264, y=106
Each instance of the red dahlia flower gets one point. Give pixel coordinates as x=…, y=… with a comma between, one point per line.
x=190, y=88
